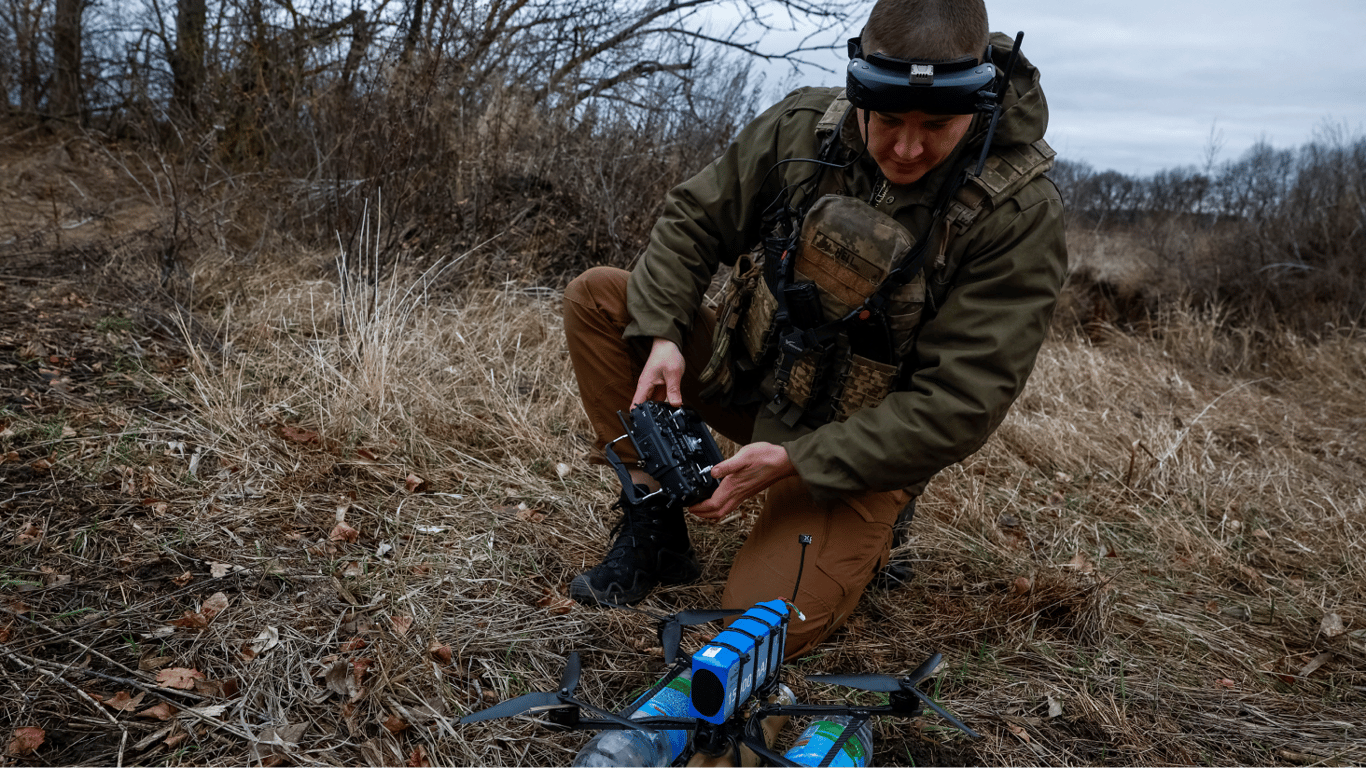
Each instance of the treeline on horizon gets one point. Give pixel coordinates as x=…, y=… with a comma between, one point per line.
x=539, y=136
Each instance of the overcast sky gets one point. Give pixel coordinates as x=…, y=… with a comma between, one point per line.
x=1142, y=86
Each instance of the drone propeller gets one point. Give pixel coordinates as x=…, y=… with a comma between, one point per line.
x=905, y=686
x=540, y=701
x=882, y=683
x=569, y=679
x=671, y=627
x=521, y=705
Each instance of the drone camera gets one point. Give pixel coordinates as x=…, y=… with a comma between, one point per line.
x=738, y=661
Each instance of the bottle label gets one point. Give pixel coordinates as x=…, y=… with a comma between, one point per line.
x=670, y=701
x=817, y=740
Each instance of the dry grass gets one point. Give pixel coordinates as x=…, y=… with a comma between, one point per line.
x=1142, y=566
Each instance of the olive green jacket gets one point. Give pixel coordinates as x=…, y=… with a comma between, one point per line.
x=987, y=310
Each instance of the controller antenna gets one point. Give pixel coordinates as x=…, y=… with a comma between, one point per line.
x=803, y=539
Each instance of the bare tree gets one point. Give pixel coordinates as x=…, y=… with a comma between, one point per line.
x=187, y=58
x=24, y=19
x=66, y=55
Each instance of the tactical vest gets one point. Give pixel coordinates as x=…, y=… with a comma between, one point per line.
x=822, y=315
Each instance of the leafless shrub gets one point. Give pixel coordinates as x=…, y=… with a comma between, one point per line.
x=1276, y=236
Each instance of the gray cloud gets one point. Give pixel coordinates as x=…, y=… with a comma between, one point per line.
x=1140, y=86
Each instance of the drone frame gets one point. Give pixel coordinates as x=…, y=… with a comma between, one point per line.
x=563, y=711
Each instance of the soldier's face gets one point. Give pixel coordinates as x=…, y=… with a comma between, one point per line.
x=906, y=145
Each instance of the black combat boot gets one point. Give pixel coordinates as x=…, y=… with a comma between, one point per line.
x=651, y=548
x=898, y=571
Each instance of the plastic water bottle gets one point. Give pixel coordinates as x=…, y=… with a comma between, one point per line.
x=617, y=748
x=816, y=741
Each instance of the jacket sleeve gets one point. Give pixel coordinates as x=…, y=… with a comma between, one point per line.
x=970, y=360
x=717, y=215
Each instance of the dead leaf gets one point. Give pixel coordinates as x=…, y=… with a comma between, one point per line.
x=359, y=668
x=415, y=484
x=352, y=570
x=180, y=678
x=53, y=579
x=122, y=702
x=1054, y=708
x=29, y=534
x=394, y=724
x=1021, y=586
x=530, y=515
x=440, y=651
x=40, y=465
x=154, y=662
x=1224, y=682
x=344, y=532
x=160, y=711
x=338, y=679
x=1332, y=625
x=216, y=604
x=1019, y=731
x=274, y=744
x=191, y=620
x=219, y=570
x=183, y=579
x=354, y=644
x=1081, y=563
x=267, y=639
x=25, y=741
x=1315, y=663
x=418, y=758
x=301, y=436
x=554, y=602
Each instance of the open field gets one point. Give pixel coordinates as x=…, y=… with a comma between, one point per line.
x=306, y=508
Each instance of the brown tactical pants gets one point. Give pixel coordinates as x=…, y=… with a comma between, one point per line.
x=850, y=539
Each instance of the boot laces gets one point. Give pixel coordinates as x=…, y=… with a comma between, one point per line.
x=636, y=528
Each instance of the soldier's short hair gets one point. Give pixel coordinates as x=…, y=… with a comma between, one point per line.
x=938, y=30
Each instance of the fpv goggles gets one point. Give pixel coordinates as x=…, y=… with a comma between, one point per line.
x=883, y=84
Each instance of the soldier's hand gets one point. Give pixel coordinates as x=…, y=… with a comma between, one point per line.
x=751, y=470
x=662, y=378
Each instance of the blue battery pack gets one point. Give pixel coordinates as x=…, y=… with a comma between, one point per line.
x=738, y=661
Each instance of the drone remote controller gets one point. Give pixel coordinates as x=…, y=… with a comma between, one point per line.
x=674, y=447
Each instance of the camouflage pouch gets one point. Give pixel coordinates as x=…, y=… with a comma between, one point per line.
x=756, y=329
x=866, y=384
x=717, y=377
x=847, y=248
